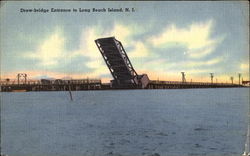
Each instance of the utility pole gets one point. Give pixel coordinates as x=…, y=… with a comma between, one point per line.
x=18, y=78
x=212, y=77
x=239, y=77
x=25, y=78
x=232, y=79
x=183, y=77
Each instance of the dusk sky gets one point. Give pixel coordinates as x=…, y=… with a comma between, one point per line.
x=161, y=39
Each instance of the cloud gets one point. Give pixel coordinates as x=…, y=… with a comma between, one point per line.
x=204, y=63
x=122, y=32
x=197, y=71
x=196, y=38
x=50, y=51
x=162, y=65
x=87, y=46
x=89, y=50
x=244, y=66
x=140, y=50
x=201, y=52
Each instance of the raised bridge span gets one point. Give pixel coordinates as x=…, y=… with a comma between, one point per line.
x=119, y=65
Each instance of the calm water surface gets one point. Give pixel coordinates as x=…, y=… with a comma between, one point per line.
x=187, y=122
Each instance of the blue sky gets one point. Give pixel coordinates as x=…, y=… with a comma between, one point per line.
x=161, y=39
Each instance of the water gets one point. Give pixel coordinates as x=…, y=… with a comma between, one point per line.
x=187, y=122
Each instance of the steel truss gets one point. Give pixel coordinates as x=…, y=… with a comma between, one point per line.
x=118, y=62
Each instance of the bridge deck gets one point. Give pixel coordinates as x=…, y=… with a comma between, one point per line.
x=97, y=85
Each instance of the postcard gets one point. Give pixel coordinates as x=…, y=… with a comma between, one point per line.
x=124, y=78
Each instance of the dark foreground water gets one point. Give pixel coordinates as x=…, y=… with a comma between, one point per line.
x=188, y=122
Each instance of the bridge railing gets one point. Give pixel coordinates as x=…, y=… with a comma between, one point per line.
x=188, y=83
x=15, y=82
x=50, y=82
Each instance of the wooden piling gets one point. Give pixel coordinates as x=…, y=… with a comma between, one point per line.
x=70, y=94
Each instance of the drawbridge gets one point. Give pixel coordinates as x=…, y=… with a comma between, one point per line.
x=119, y=65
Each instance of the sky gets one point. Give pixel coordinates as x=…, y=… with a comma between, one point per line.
x=162, y=39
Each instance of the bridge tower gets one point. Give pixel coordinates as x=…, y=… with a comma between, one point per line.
x=21, y=76
x=119, y=64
